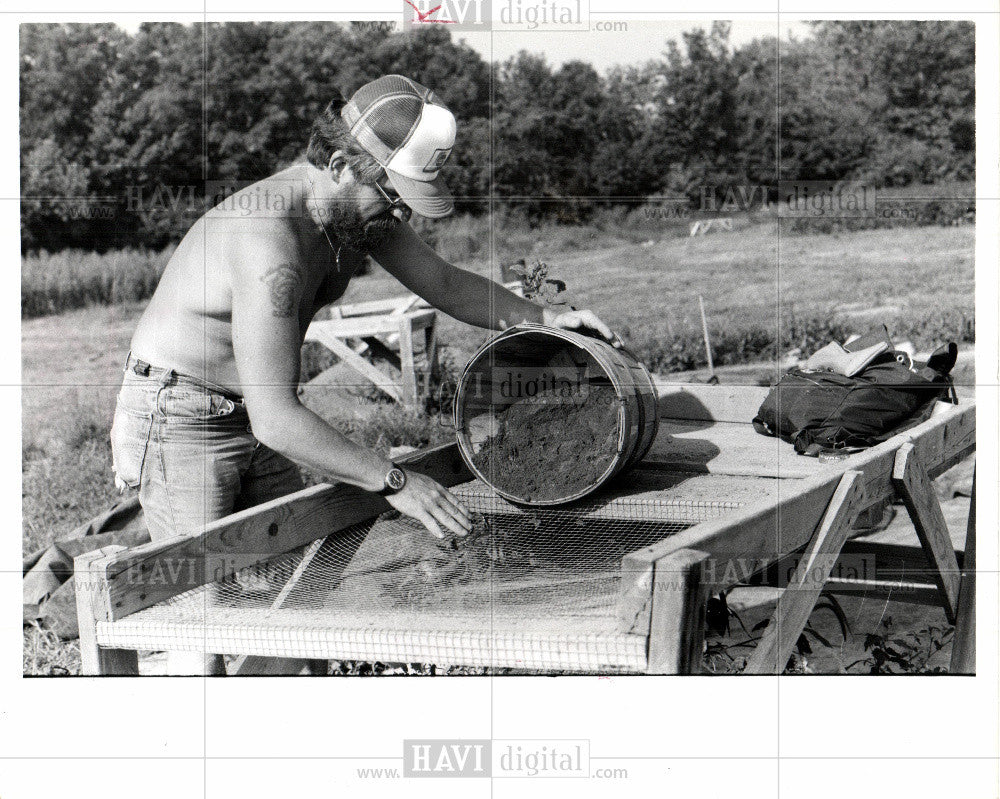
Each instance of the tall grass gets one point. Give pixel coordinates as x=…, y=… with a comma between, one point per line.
x=56, y=282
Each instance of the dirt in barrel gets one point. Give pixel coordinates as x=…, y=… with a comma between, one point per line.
x=549, y=447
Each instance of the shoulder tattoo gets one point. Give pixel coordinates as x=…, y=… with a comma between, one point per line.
x=285, y=284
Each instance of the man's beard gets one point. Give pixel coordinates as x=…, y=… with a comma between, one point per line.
x=352, y=231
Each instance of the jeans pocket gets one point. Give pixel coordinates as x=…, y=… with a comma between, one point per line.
x=130, y=433
x=194, y=405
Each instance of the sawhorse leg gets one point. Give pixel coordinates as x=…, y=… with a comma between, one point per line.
x=360, y=365
x=915, y=489
x=963, y=647
x=430, y=354
x=677, y=619
x=92, y=606
x=798, y=600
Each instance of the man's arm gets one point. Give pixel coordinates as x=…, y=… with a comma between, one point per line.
x=265, y=323
x=464, y=295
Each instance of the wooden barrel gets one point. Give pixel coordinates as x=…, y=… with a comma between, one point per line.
x=567, y=374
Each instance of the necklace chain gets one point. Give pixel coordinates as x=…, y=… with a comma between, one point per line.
x=322, y=226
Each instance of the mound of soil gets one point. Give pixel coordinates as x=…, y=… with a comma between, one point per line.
x=549, y=447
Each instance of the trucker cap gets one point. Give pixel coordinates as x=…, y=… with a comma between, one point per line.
x=410, y=132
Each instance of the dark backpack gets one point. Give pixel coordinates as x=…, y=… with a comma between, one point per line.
x=820, y=411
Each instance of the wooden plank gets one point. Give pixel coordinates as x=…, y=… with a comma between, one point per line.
x=146, y=575
x=917, y=493
x=799, y=598
x=408, y=368
x=863, y=564
x=431, y=356
x=92, y=606
x=725, y=448
x=266, y=666
x=260, y=666
x=405, y=305
x=360, y=365
x=963, y=647
x=911, y=593
x=677, y=631
x=364, y=326
x=390, y=304
x=698, y=402
x=892, y=561
x=634, y=608
x=370, y=307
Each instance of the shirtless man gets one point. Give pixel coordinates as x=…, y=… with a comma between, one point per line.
x=208, y=420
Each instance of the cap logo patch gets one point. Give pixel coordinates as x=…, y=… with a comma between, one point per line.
x=438, y=159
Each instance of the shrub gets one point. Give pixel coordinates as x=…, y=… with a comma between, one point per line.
x=917, y=205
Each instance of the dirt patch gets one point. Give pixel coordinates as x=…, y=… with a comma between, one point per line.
x=549, y=446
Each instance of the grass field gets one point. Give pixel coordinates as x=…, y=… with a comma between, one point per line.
x=754, y=281
x=756, y=284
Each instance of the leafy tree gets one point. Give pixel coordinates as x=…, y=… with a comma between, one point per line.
x=53, y=193
x=926, y=72
x=828, y=119
x=522, y=125
x=64, y=71
x=145, y=119
x=696, y=105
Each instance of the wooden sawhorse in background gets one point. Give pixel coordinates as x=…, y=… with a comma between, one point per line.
x=382, y=325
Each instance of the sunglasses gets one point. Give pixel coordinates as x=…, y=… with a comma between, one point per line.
x=396, y=204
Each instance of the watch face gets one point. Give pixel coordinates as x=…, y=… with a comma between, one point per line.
x=395, y=479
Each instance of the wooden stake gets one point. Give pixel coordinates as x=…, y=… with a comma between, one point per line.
x=708, y=345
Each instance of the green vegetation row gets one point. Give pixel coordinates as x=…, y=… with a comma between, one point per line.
x=739, y=340
x=52, y=283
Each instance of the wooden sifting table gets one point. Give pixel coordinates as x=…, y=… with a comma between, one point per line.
x=739, y=498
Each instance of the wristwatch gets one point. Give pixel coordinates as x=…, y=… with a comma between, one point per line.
x=395, y=479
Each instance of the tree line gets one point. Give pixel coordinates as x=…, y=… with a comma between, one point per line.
x=121, y=134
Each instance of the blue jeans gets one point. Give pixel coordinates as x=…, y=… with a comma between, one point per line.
x=188, y=448
x=191, y=453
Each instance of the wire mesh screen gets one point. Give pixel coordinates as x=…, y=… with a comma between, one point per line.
x=538, y=570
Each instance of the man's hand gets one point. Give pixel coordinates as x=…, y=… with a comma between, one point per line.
x=431, y=504
x=582, y=321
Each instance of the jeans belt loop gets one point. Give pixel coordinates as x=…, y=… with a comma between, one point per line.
x=161, y=409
